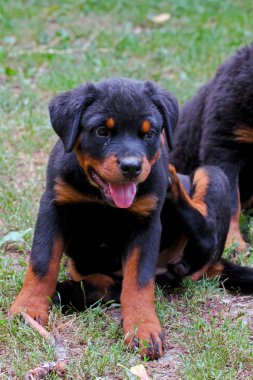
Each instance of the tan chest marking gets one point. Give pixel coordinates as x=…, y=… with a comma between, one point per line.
x=143, y=206
x=65, y=193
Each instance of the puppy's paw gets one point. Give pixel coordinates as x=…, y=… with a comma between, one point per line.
x=37, y=307
x=145, y=334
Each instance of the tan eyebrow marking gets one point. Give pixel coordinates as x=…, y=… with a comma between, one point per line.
x=110, y=122
x=145, y=126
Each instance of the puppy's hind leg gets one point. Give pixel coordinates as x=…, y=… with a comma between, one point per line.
x=205, y=216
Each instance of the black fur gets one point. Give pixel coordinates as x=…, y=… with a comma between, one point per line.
x=236, y=277
x=208, y=123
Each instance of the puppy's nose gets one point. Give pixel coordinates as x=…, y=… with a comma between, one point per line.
x=130, y=167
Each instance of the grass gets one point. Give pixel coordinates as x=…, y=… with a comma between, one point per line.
x=217, y=340
x=47, y=47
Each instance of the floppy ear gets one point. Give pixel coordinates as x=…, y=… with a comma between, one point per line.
x=168, y=106
x=66, y=111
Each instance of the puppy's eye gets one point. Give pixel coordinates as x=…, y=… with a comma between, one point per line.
x=150, y=134
x=102, y=132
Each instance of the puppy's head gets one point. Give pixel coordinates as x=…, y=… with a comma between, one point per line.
x=115, y=129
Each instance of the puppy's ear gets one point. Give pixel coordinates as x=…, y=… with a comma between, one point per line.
x=66, y=111
x=168, y=106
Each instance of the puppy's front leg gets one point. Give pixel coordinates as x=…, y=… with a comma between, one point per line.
x=140, y=322
x=41, y=277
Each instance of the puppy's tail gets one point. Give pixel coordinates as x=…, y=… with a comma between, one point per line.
x=233, y=276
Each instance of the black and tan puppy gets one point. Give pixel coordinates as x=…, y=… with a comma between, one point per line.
x=112, y=205
x=216, y=128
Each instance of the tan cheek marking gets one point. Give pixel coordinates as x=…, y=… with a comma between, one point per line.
x=244, y=135
x=146, y=126
x=146, y=167
x=156, y=157
x=110, y=123
x=108, y=169
x=86, y=161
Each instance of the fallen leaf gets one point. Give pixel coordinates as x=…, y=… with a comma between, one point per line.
x=140, y=371
x=160, y=19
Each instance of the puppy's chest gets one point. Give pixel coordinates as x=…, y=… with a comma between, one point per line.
x=103, y=225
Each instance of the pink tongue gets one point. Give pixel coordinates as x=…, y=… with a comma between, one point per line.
x=123, y=194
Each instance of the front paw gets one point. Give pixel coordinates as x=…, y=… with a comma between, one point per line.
x=145, y=334
x=35, y=306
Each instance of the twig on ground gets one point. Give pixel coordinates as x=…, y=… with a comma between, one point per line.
x=44, y=369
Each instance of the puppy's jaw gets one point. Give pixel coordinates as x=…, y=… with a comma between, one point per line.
x=108, y=178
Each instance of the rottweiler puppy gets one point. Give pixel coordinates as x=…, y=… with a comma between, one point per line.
x=215, y=127
x=118, y=210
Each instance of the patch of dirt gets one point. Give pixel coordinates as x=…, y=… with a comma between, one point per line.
x=240, y=307
x=167, y=367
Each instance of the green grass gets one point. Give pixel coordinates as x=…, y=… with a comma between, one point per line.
x=47, y=47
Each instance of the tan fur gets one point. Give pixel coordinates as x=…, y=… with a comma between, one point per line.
x=146, y=126
x=144, y=205
x=34, y=297
x=200, y=182
x=210, y=270
x=65, y=193
x=174, y=253
x=110, y=123
x=244, y=135
x=137, y=304
x=234, y=233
